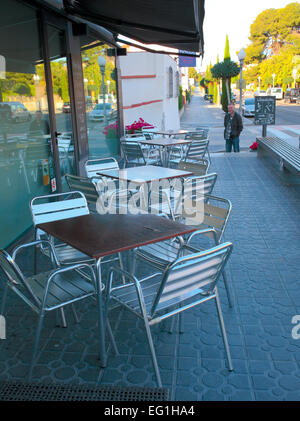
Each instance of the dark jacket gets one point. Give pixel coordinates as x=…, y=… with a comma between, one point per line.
x=236, y=124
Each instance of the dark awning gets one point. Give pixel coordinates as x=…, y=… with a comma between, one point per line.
x=171, y=23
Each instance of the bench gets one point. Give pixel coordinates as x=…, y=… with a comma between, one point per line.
x=287, y=155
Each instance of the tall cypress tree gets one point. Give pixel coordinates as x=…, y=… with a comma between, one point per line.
x=224, y=98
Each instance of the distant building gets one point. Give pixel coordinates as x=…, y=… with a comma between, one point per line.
x=150, y=87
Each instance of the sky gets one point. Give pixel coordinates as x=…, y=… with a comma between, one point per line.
x=232, y=17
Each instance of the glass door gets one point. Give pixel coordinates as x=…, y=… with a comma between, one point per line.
x=25, y=144
x=61, y=104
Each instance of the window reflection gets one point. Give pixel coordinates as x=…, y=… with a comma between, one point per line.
x=101, y=102
x=26, y=164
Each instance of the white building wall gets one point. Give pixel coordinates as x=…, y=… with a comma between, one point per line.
x=145, y=89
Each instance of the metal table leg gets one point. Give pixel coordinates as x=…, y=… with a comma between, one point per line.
x=101, y=314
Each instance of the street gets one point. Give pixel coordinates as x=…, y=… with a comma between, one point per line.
x=285, y=114
x=201, y=112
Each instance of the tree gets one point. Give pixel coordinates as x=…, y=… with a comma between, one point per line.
x=192, y=72
x=22, y=89
x=225, y=71
x=272, y=30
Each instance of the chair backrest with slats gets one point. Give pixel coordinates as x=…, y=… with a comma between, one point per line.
x=196, y=150
x=198, y=168
x=202, y=184
x=133, y=153
x=214, y=214
x=191, y=275
x=84, y=185
x=93, y=166
x=56, y=207
x=194, y=188
x=203, y=135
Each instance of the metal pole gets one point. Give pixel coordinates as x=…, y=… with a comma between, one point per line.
x=241, y=84
x=264, y=130
x=103, y=93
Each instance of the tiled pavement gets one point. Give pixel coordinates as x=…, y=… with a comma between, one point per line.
x=264, y=275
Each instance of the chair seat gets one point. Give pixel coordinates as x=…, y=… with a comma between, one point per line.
x=67, y=255
x=65, y=287
x=129, y=297
x=159, y=254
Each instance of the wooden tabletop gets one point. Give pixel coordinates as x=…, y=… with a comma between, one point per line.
x=102, y=235
x=145, y=173
x=164, y=141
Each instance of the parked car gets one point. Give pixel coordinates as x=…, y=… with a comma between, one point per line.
x=18, y=112
x=292, y=95
x=260, y=93
x=97, y=114
x=277, y=92
x=248, y=109
x=66, y=107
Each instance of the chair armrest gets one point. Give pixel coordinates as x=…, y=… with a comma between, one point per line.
x=122, y=272
x=35, y=243
x=70, y=268
x=202, y=232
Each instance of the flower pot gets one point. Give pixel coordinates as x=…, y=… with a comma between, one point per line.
x=112, y=145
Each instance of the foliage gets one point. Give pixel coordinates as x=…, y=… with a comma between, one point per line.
x=272, y=30
x=111, y=131
x=22, y=89
x=227, y=49
x=215, y=94
x=137, y=126
x=203, y=82
x=192, y=72
x=180, y=99
x=225, y=69
x=188, y=96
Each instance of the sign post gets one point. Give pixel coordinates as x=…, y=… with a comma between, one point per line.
x=265, y=107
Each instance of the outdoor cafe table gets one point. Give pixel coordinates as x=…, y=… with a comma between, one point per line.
x=165, y=144
x=144, y=174
x=171, y=132
x=102, y=235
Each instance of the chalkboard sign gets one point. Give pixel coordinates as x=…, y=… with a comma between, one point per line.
x=265, y=107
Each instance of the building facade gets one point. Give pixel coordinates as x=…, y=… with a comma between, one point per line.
x=58, y=104
x=150, y=88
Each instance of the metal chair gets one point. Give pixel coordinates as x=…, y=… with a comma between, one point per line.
x=134, y=155
x=189, y=281
x=197, y=150
x=210, y=219
x=199, y=133
x=47, y=291
x=102, y=195
x=198, y=168
x=93, y=166
x=56, y=207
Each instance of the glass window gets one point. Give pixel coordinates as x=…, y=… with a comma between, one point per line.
x=25, y=152
x=101, y=101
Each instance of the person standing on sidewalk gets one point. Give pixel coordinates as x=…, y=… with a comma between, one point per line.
x=233, y=127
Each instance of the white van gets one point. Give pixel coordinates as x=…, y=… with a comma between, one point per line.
x=277, y=92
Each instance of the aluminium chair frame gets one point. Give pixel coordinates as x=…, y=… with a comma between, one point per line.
x=39, y=304
x=157, y=308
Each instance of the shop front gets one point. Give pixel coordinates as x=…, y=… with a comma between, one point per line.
x=58, y=105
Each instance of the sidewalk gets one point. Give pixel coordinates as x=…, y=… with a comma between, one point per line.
x=263, y=272
x=199, y=112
